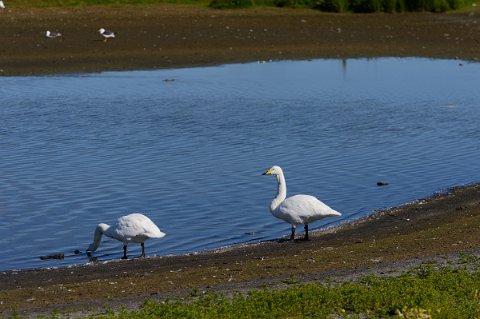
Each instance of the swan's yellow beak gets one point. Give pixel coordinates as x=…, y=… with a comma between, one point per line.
x=269, y=172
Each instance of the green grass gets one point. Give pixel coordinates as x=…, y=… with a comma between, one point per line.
x=360, y=6
x=422, y=292
x=85, y=3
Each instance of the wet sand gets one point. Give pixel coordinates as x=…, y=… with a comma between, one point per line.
x=168, y=36
x=154, y=37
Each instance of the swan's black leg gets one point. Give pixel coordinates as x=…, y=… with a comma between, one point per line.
x=124, y=252
x=292, y=236
x=143, y=250
x=306, y=232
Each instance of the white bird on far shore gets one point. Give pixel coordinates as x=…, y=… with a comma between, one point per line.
x=106, y=34
x=133, y=228
x=298, y=209
x=51, y=34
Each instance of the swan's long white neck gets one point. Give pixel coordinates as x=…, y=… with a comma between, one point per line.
x=97, y=237
x=281, y=192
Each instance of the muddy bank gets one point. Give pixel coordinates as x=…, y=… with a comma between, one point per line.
x=151, y=37
x=444, y=225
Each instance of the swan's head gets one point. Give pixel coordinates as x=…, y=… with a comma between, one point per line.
x=275, y=170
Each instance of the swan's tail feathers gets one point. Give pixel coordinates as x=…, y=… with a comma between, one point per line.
x=334, y=213
x=158, y=234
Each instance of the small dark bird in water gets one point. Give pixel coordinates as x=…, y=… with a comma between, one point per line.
x=53, y=256
x=382, y=183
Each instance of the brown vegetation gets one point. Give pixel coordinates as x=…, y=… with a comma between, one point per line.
x=175, y=36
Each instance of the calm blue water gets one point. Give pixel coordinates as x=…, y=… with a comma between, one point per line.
x=189, y=152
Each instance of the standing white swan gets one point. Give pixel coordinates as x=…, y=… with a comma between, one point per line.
x=298, y=209
x=135, y=228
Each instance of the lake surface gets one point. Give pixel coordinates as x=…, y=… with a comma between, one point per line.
x=187, y=147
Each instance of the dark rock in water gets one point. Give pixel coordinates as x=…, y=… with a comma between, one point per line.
x=76, y=252
x=382, y=184
x=54, y=256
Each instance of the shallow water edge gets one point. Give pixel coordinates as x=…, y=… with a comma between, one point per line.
x=432, y=229
x=446, y=198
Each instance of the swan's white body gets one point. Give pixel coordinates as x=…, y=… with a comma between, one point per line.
x=298, y=209
x=106, y=34
x=133, y=228
x=2, y=5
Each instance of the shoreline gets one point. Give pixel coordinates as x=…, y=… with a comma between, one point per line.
x=169, y=36
x=439, y=228
x=328, y=229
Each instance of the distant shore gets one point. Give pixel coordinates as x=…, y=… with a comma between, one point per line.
x=167, y=36
x=440, y=227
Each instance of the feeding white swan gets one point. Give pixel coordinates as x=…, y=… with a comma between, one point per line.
x=135, y=228
x=298, y=209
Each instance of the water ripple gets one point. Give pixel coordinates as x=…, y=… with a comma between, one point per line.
x=79, y=150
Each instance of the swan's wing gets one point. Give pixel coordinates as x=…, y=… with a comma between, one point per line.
x=137, y=226
x=304, y=209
